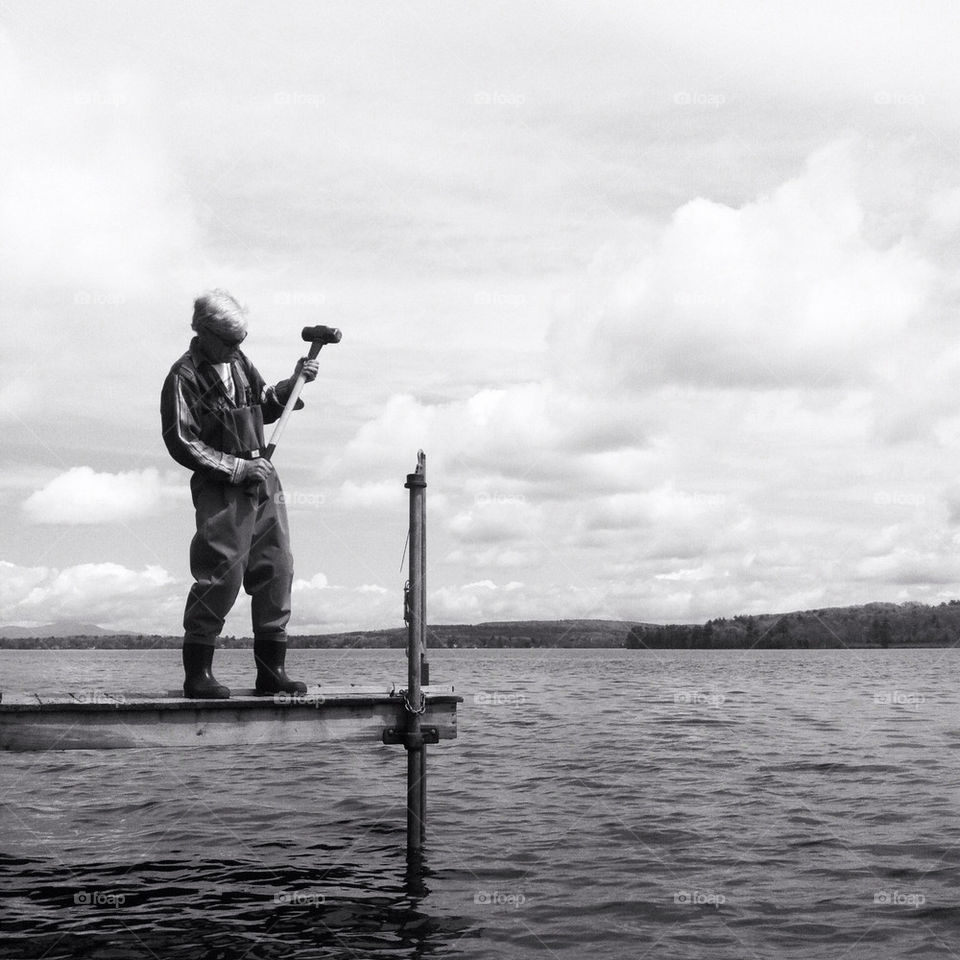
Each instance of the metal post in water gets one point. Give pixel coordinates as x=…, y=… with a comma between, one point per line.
x=416, y=634
x=424, y=665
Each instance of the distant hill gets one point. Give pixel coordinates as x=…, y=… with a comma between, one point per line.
x=869, y=625
x=512, y=633
x=61, y=628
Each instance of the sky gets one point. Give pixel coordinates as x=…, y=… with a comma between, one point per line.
x=667, y=293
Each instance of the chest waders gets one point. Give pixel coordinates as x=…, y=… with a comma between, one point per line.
x=242, y=539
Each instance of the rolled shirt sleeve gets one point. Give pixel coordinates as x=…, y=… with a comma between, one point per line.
x=274, y=399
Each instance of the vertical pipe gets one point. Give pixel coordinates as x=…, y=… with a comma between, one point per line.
x=414, y=785
x=424, y=665
x=416, y=809
x=423, y=794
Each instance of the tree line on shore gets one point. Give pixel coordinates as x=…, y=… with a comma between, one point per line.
x=499, y=635
x=870, y=625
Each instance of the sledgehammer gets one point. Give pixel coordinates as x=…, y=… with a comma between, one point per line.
x=316, y=337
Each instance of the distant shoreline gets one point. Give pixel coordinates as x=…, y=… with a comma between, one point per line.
x=865, y=627
x=507, y=634
x=54, y=644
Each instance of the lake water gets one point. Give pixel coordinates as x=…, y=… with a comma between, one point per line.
x=598, y=803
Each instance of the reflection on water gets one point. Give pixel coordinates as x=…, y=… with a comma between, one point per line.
x=216, y=908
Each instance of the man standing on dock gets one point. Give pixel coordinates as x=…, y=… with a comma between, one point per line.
x=213, y=407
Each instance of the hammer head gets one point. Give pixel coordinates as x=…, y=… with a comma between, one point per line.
x=320, y=334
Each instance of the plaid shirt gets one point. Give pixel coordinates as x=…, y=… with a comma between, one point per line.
x=192, y=396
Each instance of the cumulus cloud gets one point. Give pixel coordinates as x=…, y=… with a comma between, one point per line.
x=479, y=600
x=317, y=582
x=323, y=607
x=794, y=290
x=908, y=566
x=516, y=430
x=739, y=339
x=754, y=354
x=786, y=290
x=108, y=594
x=496, y=520
x=664, y=505
x=494, y=455
x=502, y=557
x=17, y=581
x=82, y=496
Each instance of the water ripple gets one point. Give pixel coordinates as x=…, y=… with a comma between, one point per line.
x=670, y=804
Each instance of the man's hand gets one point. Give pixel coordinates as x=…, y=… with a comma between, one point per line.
x=308, y=368
x=254, y=471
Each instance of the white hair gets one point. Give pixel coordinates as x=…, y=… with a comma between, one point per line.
x=220, y=312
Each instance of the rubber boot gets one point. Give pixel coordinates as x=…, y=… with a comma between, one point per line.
x=271, y=676
x=199, y=682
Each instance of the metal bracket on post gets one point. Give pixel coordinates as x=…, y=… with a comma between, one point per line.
x=410, y=741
